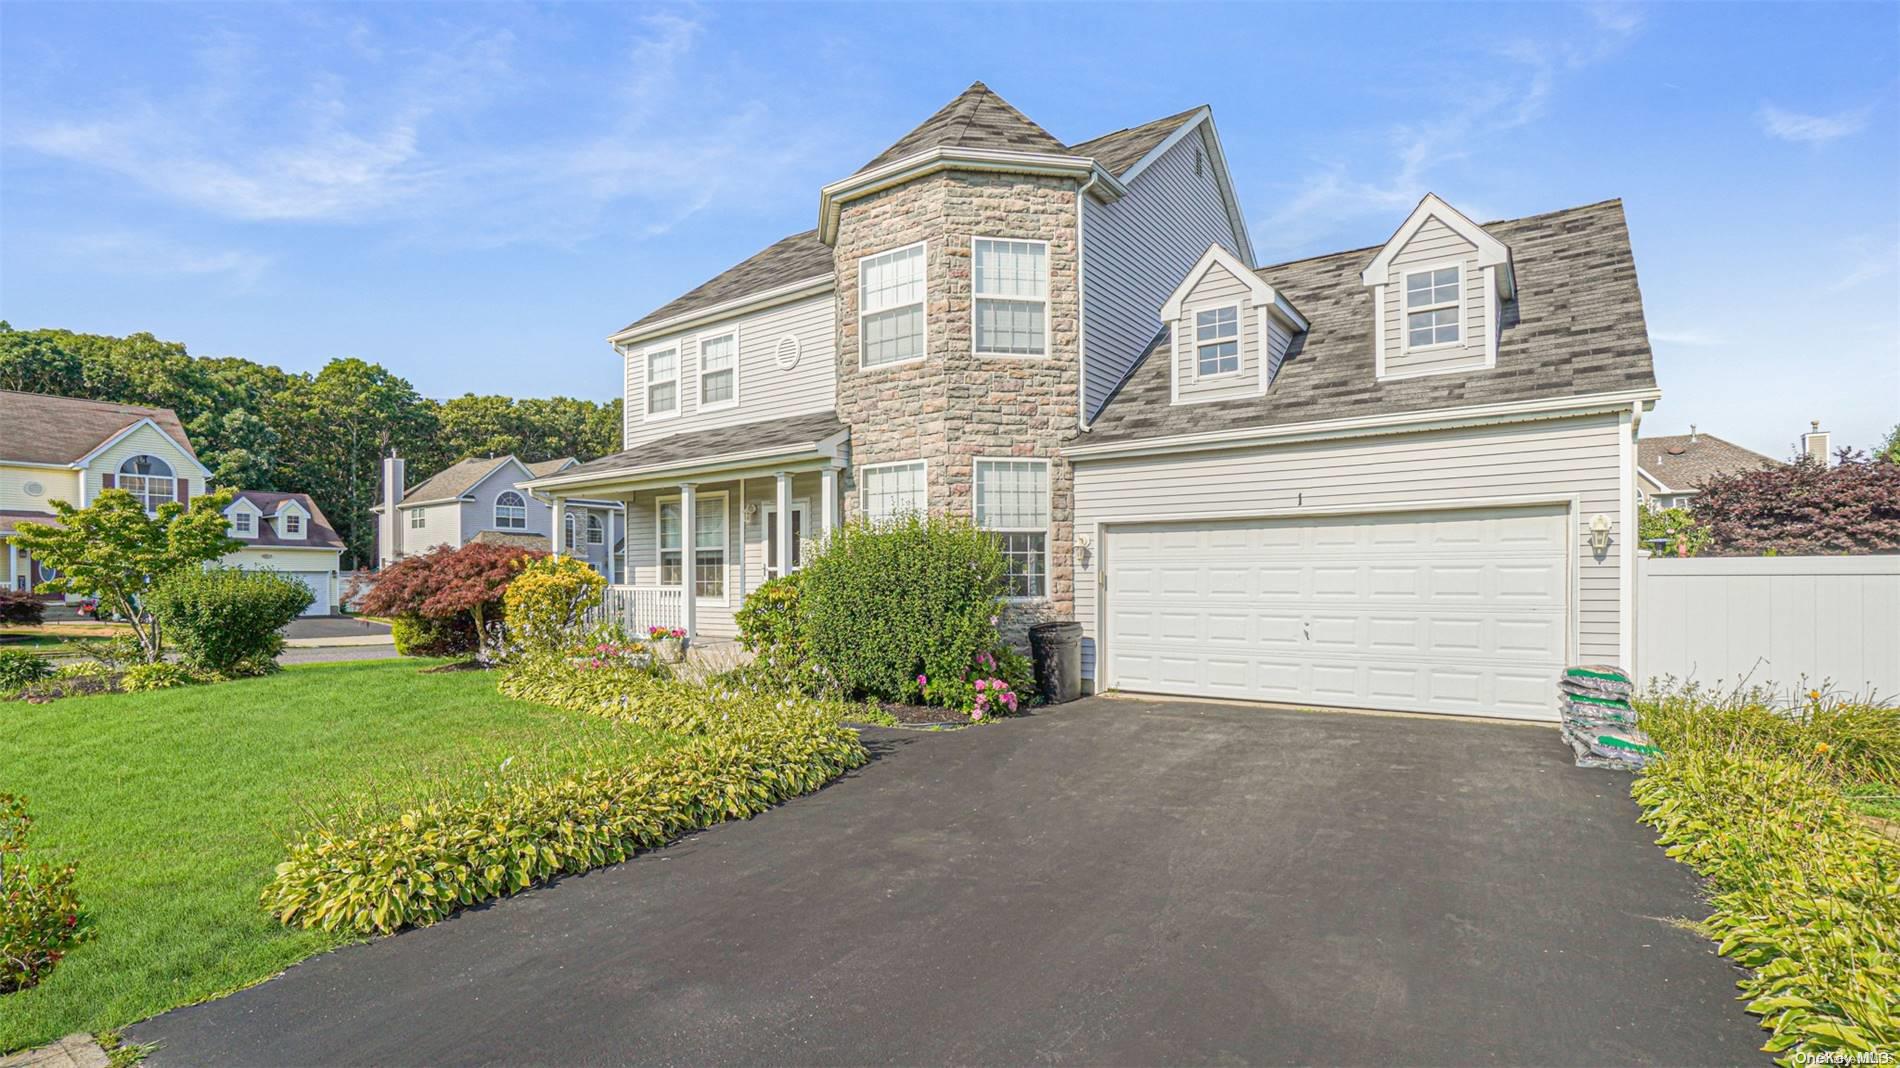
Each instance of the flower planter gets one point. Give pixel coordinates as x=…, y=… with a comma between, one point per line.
x=669, y=650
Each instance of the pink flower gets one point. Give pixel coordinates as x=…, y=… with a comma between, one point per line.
x=976, y=713
x=922, y=682
x=982, y=684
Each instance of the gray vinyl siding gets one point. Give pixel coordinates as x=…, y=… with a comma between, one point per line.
x=1279, y=343
x=1218, y=288
x=1436, y=244
x=765, y=389
x=442, y=525
x=1136, y=251
x=479, y=514
x=745, y=541
x=1549, y=460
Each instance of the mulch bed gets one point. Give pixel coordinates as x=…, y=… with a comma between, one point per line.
x=459, y=665
x=922, y=715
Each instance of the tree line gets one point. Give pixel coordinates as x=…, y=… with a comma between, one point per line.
x=260, y=427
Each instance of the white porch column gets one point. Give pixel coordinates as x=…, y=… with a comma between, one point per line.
x=13, y=566
x=558, y=517
x=783, y=535
x=828, y=480
x=689, y=561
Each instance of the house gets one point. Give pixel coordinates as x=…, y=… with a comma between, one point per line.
x=67, y=449
x=1670, y=470
x=1399, y=476
x=287, y=533
x=482, y=499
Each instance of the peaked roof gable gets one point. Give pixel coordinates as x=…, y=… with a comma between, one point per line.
x=318, y=533
x=977, y=118
x=1683, y=462
x=1118, y=152
x=40, y=428
x=1491, y=251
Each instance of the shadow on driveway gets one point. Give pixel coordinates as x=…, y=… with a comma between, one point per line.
x=1116, y=881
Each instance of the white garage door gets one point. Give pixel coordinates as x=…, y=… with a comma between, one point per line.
x=319, y=583
x=1462, y=612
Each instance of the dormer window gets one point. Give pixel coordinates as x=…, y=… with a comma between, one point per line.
x=241, y=522
x=1217, y=341
x=293, y=525
x=1431, y=307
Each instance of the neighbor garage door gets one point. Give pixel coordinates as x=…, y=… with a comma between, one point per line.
x=1456, y=611
x=319, y=583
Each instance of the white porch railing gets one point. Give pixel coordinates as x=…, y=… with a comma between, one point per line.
x=641, y=608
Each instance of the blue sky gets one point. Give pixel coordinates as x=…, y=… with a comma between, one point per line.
x=476, y=196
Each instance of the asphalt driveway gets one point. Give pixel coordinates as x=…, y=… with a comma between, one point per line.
x=1117, y=881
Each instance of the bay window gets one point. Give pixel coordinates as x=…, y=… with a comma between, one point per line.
x=891, y=307
x=1012, y=502
x=892, y=491
x=1009, y=281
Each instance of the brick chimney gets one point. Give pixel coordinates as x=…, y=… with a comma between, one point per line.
x=388, y=529
x=1814, y=443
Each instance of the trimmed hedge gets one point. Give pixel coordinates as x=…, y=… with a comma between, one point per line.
x=225, y=619
x=885, y=604
x=1807, y=895
x=743, y=754
x=418, y=636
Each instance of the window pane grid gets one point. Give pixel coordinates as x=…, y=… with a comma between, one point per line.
x=893, y=491
x=717, y=369
x=1010, y=269
x=1428, y=289
x=1012, y=499
x=663, y=381
x=891, y=297
x=1438, y=327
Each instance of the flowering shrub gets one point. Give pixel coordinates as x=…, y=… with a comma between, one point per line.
x=660, y=634
x=994, y=685
x=39, y=913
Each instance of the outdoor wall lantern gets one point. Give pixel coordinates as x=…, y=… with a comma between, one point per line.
x=1600, y=534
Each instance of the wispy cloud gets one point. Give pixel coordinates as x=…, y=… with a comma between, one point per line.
x=127, y=252
x=1795, y=126
x=1866, y=259
x=1690, y=337
x=406, y=141
x=1526, y=72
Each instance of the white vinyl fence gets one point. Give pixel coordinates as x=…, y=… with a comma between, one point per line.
x=1776, y=621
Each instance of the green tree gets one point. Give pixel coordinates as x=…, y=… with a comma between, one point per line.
x=114, y=551
x=1890, y=449
x=1670, y=531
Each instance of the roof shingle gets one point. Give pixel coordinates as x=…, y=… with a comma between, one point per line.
x=789, y=432
x=1686, y=461
x=1118, y=151
x=322, y=534
x=977, y=118
x=787, y=260
x=1575, y=329
x=39, y=428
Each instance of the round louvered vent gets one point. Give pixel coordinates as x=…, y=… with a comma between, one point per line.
x=788, y=352
x=33, y=489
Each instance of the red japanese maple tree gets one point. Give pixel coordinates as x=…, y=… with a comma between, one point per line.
x=447, y=582
x=1804, y=508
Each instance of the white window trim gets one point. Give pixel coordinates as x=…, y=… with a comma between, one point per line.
x=699, y=365
x=1048, y=345
x=918, y=461
x=499, y=525
x=646, y=383
x=1048, y=532
x=418, y=519
x=688, y=551
x=1194, y=342
x=800, y=506
x=285, y=519
x=1405, y=310
x=923, y=308
x=592, y=524
x=247, y=529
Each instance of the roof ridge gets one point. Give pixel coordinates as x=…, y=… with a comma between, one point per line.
x=1138, y=126
x=1494, y=222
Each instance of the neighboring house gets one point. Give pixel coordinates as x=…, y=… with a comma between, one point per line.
x=1670, y=470
x=482, y=499
x=287, y=533
x=1395, y=477
x=65, y=449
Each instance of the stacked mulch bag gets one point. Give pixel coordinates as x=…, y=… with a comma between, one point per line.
x=1599, y=722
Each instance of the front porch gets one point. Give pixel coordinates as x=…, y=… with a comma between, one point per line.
x=725, y=523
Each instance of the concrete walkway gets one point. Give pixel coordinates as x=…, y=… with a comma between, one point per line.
x=1117, y=881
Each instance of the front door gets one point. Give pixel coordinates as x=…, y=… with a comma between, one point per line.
x=772, y=569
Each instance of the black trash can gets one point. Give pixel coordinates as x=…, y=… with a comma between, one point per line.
x=1057, y=648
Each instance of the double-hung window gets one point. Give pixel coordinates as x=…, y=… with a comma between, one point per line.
x=892, y=491
x=241, y=522
x=1010, y=283
x=417, y=520
x=293, y=525
x=511, y=511
x=1217, y=341
x=1431, y=308
x=709, y=545
x=891, y=312
x=663, y=382
x=1012, y=501
x=719, y=371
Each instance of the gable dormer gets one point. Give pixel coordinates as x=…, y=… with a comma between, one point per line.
x=292, y=521
x=1438, y=288
x=1229, y=330
x=245, y=519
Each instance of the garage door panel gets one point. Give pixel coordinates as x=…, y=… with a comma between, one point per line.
x=1461, y=611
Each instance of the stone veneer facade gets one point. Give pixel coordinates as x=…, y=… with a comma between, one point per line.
x=953, y=406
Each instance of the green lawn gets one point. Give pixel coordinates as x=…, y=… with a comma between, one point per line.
x=176, y=805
